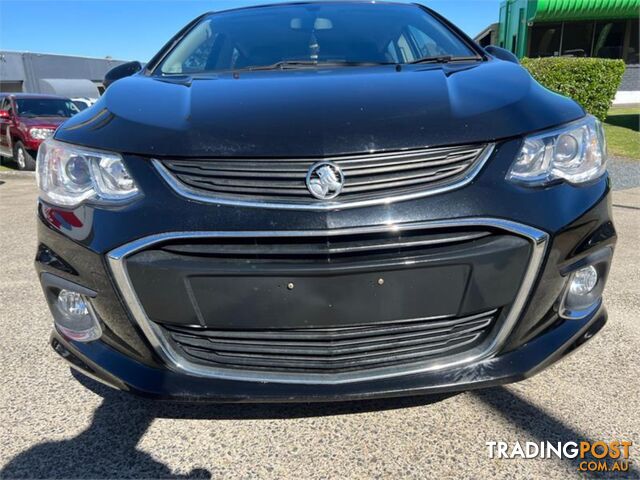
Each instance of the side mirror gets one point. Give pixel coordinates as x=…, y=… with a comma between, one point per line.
x=501, y=53
x=121, y=71
x=5, y=114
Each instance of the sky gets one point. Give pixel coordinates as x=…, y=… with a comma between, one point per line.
x=137, y=29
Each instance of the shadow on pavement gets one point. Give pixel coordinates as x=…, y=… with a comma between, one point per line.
x=107, y=448
x=542, y=426
x=629, y=120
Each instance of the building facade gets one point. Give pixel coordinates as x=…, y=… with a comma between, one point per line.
x=575, y=28
x=489, y=36
x=53, y=74
x=580, y=28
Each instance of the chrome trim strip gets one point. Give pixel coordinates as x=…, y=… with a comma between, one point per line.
x=194, y=194
x=116, y=260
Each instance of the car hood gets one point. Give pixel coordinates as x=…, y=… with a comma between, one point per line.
x=52, y=122
x=318, y=112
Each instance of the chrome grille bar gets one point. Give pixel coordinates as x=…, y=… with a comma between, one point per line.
x=331, y=350
x=369, y=179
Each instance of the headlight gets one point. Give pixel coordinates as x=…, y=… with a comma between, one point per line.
x=576, y=153
x=68, y=174
x=41, y=133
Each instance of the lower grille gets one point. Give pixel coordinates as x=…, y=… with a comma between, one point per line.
x=327, y=249
x=227, y=312
x=332, y=350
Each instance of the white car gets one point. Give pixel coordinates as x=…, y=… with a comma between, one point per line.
x=83, y=102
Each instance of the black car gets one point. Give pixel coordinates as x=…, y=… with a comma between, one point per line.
x=323, y=201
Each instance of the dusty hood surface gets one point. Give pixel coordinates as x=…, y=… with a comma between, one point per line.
x=52, y=122
x=318, y=112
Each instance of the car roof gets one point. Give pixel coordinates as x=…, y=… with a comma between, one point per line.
x=19, y=95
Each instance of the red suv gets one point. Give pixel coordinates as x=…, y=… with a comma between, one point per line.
x=26, y=119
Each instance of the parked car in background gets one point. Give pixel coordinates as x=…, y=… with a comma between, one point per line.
x=83, y=102
x=26, y=119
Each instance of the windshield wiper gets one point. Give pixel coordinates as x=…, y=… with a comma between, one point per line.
x=283, y=64
x=289, y=64
x=445, y=59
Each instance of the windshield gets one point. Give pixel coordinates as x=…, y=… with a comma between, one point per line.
x=80, y=105
x=45, y=107
x=358, y=33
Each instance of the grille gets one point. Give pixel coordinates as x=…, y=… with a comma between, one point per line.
x=365, y=176
x=196, y=350
x=328, y=249
x=331, y=350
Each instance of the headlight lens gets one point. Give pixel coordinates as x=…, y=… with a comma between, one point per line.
x=575, y=153
x=67, y=175
x=41, y=133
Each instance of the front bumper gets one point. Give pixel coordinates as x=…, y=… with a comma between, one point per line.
x=32, y=144
x=105, y=364
x=80, y=246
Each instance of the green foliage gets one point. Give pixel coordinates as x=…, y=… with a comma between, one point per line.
x=592, y=82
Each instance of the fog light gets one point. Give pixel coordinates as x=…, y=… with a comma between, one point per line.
x=76, y=320
x=583, y=281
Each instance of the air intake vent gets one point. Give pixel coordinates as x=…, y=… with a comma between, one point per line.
x=331, y=349
x=366, y=177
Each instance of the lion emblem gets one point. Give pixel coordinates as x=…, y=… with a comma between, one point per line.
x=325, y=180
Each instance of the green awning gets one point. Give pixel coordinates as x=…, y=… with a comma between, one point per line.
x=552, y=10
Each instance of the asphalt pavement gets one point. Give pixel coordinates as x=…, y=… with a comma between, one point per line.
x=55, y=424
